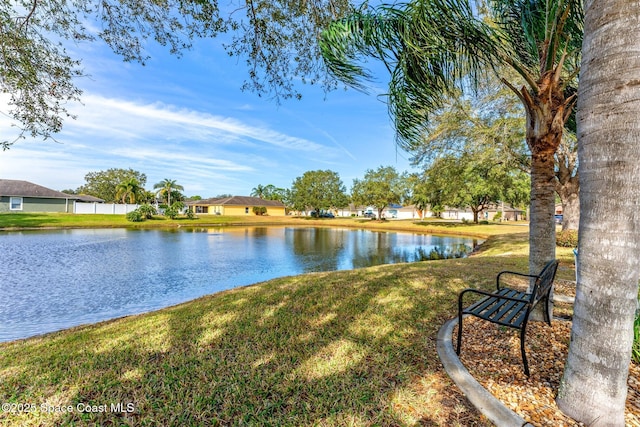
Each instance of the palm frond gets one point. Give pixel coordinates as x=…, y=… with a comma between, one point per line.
x=365, y=33
x=435, y=47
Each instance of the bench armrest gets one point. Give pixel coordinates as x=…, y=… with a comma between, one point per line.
x=515, y=273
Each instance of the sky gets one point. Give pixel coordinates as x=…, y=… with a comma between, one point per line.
x=186, y=119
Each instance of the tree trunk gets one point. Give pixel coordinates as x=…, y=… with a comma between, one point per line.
x=546, y=115
x=594, y=386
x=542, y=231
x=570, y=207
x=475, y=215
x=568, y=185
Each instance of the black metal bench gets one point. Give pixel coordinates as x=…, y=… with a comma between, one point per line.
x=510, y=307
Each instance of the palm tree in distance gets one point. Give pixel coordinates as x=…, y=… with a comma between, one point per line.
x=129, y=190
x=432, y=48
x=165, y=187
x=258, y=191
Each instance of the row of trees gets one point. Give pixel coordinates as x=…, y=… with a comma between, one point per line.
x=474, y=180
x=128, y=186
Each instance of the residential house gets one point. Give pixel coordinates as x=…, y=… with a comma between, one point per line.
x=393, y=211
x=24, y=196
x=494, y=212
x=236, y=206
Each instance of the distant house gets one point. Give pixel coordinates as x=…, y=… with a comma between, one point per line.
x=236, y=206
x=506, y=213
x=86, y=198
x=393, y=211
x=24, y=196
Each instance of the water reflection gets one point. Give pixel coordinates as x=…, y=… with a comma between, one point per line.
x=58, y=279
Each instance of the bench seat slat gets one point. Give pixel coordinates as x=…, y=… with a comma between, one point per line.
x=482, y=304
x=495, y=309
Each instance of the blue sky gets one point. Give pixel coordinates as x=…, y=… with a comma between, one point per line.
x=186, y=119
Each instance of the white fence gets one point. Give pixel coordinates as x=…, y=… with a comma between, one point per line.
x=103, y=208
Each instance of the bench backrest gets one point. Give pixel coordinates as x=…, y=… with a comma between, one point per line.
x=543, y=284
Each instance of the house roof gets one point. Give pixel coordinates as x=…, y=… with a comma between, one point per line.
x=89, y=198
x=237, y=201
x=11, y=187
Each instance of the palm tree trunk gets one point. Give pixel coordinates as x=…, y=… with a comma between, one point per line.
x=568, y=188
x=569, y=195
x=546, y=115
x=594, y=386
x=542, y=229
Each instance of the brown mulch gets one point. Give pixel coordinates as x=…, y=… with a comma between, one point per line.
x=491, y=353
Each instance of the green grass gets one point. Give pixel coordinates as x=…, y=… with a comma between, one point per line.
x=60, y=220
x=341, y=348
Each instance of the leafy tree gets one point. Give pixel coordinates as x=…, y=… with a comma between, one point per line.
x=425, y=196
x=594, y=387
x=476, y=180
x=268, y=192
x=168, y=188
x=271, y=192
x=379, y=188
x=494, y=115
x=103, y=184
x=320, y=190
x=129, y=190
x=432, y=48
x=277, y=40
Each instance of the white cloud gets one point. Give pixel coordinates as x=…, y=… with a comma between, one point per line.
x=120, y=119
x=161, y=140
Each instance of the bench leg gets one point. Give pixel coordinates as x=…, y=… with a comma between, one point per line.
x=547, y=317
x=522, y=351
x=459, y=333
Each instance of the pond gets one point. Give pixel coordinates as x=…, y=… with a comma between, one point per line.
x=61, y=278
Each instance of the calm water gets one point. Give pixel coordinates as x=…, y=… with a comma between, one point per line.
x=57, y=279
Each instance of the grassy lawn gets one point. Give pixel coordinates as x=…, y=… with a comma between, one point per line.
x=341, y=348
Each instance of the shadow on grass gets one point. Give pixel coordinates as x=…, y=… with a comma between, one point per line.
x=27, y=220
x=343, y=348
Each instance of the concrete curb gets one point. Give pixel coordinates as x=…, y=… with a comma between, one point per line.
x=484, y=401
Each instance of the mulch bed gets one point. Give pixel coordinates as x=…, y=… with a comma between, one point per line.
x=492, y=356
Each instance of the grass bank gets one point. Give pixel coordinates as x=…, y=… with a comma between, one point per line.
x=13, y=221
x=341, y=348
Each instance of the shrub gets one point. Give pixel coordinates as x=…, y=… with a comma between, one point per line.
x=147, y=210
x=567, y=239
x=171, y=213
x=135, y=216
x=261, y=210
x=497, y=216
x=191, y=215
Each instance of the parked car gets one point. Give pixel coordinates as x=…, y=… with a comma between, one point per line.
x=558, y=219
x=369, y=215
x=322, y=214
